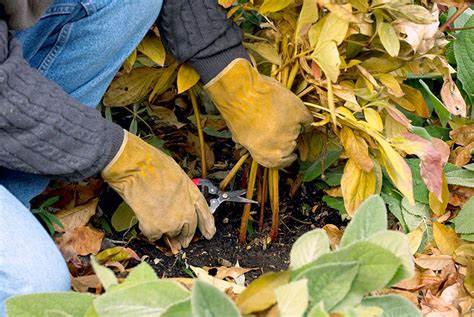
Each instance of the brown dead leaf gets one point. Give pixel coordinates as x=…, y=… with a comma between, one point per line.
x=194, y=142
x=462, y=155
x=83, y=240
x=463, y=135
x=334, y=192
x=166, y=116
x=84, y=284
x=75, y=217
x=224, y=272
x=432, y=306
x=433, y=262
x=334, y=235
x=452, y=97
x=459, y=195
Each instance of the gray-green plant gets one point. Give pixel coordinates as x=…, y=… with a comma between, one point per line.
x=321, y=281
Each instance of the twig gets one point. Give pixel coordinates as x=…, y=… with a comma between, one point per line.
x=275, y=202
x=246, y=213
x=453, y=18
x=202, y=145
x=233, y=171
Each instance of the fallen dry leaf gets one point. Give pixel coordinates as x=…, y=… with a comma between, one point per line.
x=83, y=240
x=224, y=272
x=459, y=195
x=334, y=235
x=220, y=284
x=84, y=284
x=433, y=262
x=75, y=217
x=432, y=306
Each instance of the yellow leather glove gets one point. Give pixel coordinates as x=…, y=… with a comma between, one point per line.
x=262, y=115
x=164, y=199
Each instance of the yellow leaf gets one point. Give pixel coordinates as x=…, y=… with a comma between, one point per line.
x=273, y=5
x=356, y=186
x=164, y=82
x=397, y=169
x=259, y=295
x=361, y=5
x=187, y=78
x=226, y=3
x=152, y=47
x=434, y=262
x=343, y=11
x=439, y=207
x=327, y=57
x=132, y=87
x=308, y=16
x=389, y=39
x=446, y=238
x=334, y=29
x=373, y=119
x=464, y=254
x=391, y=83
x=412, y=101
x=356, y=148
x=130, y=61
x=469, y=279
x=414, y=239
x=267, y=51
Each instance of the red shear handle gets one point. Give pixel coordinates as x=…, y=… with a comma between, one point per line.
x=197, y=181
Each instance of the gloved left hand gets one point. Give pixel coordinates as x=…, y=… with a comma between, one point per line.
x=164, y=199
x=262, y=115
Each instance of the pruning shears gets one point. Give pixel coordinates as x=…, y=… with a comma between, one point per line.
x=222, y=196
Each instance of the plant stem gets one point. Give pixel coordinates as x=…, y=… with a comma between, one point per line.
x=233, y=171
x=246, y=213
x=292, y=76
x=263, y=198
x=332, y=106
x=197, y=116
x=456, y=15
x=274, y=201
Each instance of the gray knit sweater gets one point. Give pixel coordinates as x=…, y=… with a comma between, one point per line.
x=45, y=131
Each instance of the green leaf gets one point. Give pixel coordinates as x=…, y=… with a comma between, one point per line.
x=369, y=218
x=377, y=265
x=318, y=311
x=123, y=218
x=461, y=177
x=292, y=298
x=105, y=275
x=309, y=247
x=145, y=299
x=420, y=192
x=389, y=39
x=50, y=304
x=468, y=237
x=463, y=48
x=464, y=221
x=330, y=282
x=316, y=169
x=443, y=114
x=397, y=243
x=142, y=273
x=208, y=301
x=394, y=202
x=180, y=309
x=336, y=203
x=392, y=305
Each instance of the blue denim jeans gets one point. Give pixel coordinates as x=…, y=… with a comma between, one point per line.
x=80, y=45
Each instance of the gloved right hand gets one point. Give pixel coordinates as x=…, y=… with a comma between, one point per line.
x=164, y=199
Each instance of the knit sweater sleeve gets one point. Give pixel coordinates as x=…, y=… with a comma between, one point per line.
x=199, y=32
x=42, y=129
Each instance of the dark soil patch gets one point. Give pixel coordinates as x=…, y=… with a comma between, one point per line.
x=225, y=250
